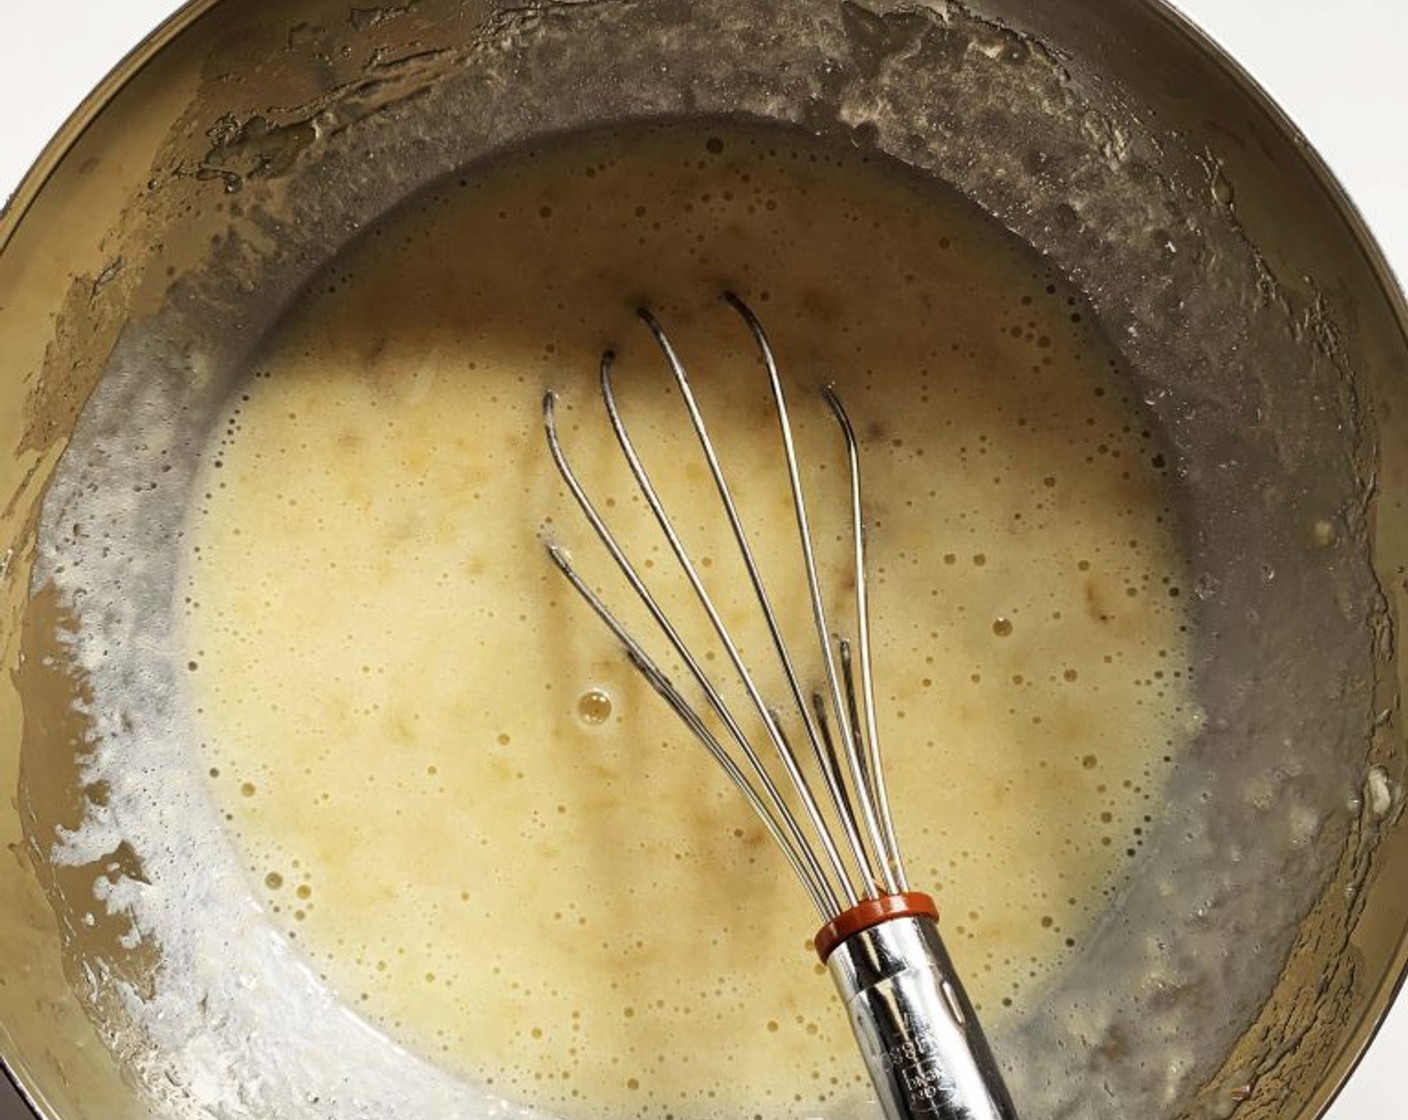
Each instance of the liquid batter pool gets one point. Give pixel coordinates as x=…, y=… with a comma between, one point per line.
x=452, y=794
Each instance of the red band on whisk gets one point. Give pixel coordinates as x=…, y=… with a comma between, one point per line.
x=871, y=912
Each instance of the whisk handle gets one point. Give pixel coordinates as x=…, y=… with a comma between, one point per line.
x=920, y=1039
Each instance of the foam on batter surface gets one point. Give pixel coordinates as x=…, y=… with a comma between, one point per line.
x=452, y=794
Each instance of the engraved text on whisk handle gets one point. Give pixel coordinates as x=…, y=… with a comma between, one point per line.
x=921, y=1041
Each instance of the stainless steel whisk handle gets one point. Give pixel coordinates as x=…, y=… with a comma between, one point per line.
x=918, y=1034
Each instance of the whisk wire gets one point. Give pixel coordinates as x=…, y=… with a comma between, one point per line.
x=840, y=726
x=833, y=759
x=785, y=754
x=878, y=873
x=667, y=691
x=831, y=777
x=888, y=848
x=781, y=817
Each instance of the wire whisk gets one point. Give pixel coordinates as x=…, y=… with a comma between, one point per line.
x=918, y=1034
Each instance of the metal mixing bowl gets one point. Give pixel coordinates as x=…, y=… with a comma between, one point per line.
x=247, y=143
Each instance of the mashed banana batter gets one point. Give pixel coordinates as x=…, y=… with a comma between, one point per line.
x=451, y=791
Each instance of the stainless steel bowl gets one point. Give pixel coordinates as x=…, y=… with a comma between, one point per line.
x=243, y=146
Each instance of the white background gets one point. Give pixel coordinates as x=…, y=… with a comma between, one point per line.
x=1337, y=67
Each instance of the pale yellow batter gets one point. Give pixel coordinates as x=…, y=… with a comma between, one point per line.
x=482, y=828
